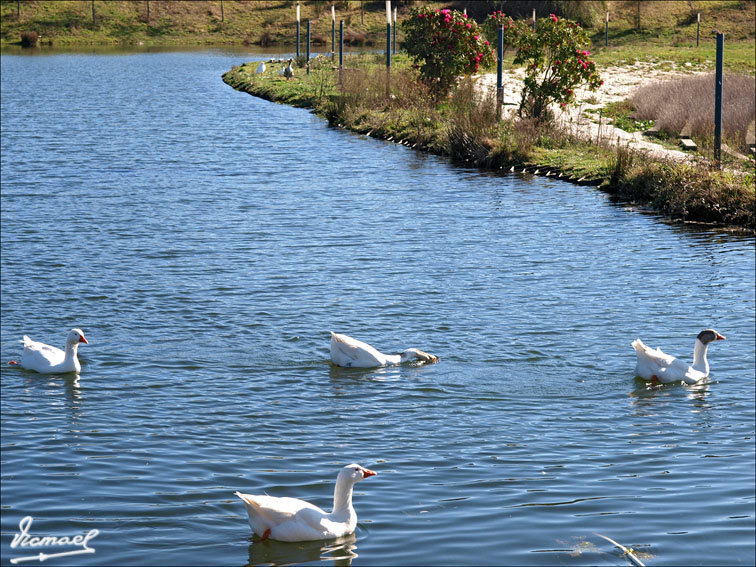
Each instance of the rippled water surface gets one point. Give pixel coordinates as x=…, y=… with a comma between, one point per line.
x=207, y=241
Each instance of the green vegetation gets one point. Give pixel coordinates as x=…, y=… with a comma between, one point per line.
x=556, y=62
x=622, y=115
x=445, y=44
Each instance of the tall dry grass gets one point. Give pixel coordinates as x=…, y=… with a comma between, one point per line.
x=690, y=101
x=472, y=123
x=409, y=110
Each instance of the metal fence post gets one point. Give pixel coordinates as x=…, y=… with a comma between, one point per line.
x=606, y=40
x=718, y=102
x=308, y=47
x=698, y=27
x=298, y=32
x=388, y=49
x=499, y=71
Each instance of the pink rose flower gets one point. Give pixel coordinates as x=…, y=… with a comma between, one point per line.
x=553, y=17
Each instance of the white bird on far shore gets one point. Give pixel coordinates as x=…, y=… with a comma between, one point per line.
x=289, y=71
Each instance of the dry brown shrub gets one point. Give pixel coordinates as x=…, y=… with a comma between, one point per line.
x=354, y=37
x=29, y=39
x=673, y=104
x=472, y=122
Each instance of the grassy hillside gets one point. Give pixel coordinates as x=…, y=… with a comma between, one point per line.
x=69, y=22
x=666, y=29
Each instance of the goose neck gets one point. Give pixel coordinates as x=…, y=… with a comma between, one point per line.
x=699, y=357
x=342, y=497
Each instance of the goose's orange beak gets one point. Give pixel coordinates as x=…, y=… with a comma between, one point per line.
x=367, y=472
x=83, y=340
x=719, y=337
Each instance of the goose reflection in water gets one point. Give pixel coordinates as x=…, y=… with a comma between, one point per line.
x=646, y=395
x=271, y=552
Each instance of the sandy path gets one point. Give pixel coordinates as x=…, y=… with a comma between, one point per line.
x=619, y=84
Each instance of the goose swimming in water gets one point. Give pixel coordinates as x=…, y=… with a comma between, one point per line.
x=47, y=359
x=349, y=352
x=655, y=365
x=292, y=519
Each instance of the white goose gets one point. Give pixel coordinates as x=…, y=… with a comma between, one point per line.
x=260, y=68
x=655, y=365
x=292, y=519
x=289, y=71
x=47, y=359
x=349, y=352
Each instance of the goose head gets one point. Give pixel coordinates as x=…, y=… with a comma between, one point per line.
x=416, y=354
x=354, y=473
x=709, y=336
x=76, y=336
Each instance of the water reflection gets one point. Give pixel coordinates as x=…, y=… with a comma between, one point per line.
x=60, y=389
x=341, y=551
x=382, y=374
x=647, y=394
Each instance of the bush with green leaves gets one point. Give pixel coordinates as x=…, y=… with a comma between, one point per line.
x=556, y=63
x=445, y=45
x=513, y=29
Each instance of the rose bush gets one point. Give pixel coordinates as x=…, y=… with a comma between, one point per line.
x=557, y=62
x=513, y=29
x=445, y=45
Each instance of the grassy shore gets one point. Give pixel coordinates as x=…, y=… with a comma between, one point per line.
x=466, y=128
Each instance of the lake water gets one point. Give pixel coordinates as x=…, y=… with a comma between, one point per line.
x=206, y=242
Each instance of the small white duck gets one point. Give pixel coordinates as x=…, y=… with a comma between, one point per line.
x=260, y=68
x=47, y=359
x=289, y=71
x=655, y=365
x=282, y=71
x=349, y=352
x=292, y=519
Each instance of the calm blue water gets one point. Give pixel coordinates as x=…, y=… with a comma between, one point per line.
x=207, y=241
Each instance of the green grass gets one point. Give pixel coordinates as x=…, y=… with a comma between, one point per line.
x=621, y=115
x=185, y=22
